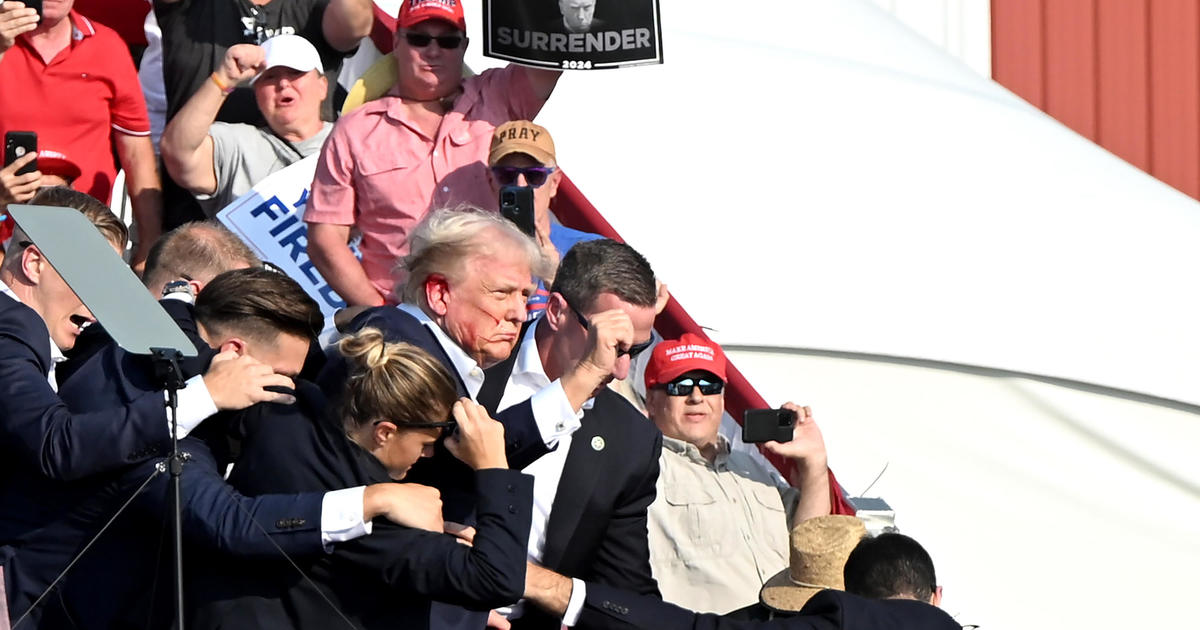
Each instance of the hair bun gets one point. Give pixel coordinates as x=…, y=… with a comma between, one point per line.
x=377, y=355
x=367, y=347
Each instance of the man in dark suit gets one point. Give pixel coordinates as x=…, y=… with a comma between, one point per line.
x=44, y=442
x=592, y=492
x=248, y=310
x=465, y=283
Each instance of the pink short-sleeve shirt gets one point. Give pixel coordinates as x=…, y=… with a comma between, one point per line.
x=377, y=172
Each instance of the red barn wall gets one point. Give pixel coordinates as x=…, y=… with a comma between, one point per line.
x=1123, y=73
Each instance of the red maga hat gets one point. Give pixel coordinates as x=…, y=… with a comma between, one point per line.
x=680, y=356
x=414, y=12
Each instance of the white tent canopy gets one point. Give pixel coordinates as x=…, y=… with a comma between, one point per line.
x=870, y=194
x=810, y=176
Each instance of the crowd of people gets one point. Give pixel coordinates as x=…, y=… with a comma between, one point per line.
x=462, y=456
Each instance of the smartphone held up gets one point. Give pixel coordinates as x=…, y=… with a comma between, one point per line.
x=516, y=205
x=18, y=144
x=767, y=425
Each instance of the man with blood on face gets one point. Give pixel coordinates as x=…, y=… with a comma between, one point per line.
x=218, y=162
x=464, y=285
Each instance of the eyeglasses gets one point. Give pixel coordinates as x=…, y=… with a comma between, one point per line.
x=632, y=351
x=534, y=175
x=445, y=42
x=684, y=386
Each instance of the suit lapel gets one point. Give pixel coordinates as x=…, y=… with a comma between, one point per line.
x=579, y=476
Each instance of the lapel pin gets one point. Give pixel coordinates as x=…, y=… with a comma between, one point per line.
x=597, y=443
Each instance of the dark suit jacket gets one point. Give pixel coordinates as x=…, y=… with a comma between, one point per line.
x=37, y=431
x=827, y=610
x=523, y=440
x=597, y=526
x=46, y=523
x=43, y=442
x=385, y=580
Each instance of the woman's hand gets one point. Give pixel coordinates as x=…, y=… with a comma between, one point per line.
x=479, y=440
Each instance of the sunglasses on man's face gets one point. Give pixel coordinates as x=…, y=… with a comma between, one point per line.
x=684, y=386
x=445, y=42
x=535, y=176
x=632, y=351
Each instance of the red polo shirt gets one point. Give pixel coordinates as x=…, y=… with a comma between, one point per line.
x=88, y=92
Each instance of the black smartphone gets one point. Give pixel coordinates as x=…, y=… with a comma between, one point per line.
x=35, y=5
x=516, y=205
x=765, y=425
x=18, y=144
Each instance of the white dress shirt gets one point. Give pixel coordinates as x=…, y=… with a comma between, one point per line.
x=528, y=377
x=552, y=412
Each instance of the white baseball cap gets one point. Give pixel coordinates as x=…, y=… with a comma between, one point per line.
x=290, y=51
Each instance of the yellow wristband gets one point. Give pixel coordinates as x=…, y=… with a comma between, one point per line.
x=220, y=84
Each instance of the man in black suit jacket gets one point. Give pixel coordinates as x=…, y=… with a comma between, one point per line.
x=467, y=277
x=42, y=441
x=591, y=493
x=215, y=517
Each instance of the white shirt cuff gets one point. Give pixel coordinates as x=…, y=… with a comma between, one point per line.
x=575, y=604
x=553, y=414
x=342, y=516
x=195, y=405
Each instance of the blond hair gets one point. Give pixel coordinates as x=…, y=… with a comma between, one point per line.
x=447, y=239
x=393, y=381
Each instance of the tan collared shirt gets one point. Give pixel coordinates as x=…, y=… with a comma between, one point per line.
x=717, y=531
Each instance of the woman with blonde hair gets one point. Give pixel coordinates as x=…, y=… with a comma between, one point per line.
x=398, y=402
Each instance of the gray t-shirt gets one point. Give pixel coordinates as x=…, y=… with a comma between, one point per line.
x=243, y=155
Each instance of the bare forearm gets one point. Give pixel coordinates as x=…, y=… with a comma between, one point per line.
x=186, y=148
x=813, y=483
x=136, y=155
x=345, y=22
x=549, y=590
x=329, y=254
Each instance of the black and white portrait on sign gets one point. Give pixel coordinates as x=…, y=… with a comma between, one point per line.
x=573, y=34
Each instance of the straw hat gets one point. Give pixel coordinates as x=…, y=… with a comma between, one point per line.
x=820, y=547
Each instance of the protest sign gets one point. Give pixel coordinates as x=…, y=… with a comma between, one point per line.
x=270, y=219
x=573, y=34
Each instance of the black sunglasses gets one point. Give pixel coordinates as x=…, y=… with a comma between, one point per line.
x=535, y=176
x=632, y=351
x=684, y=386
x=445, y=42
x=448, y=425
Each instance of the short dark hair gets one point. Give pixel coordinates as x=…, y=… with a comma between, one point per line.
x=258, y=303
x=605, y=266
x=196, y=251
x=890, y=565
